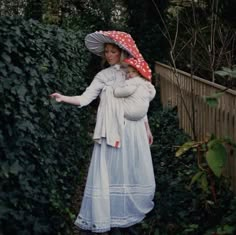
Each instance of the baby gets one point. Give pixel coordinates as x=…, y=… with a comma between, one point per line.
x=137, y=90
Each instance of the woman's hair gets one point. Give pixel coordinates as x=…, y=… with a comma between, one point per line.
x=123, y=54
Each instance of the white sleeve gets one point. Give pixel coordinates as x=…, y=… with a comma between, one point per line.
x=92, y=91
x=124, y=90
x=152, y=92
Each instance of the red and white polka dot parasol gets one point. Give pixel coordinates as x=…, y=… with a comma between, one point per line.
x=95, y=42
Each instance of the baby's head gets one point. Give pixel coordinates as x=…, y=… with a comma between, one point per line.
x=132, y=72
x=137, y=67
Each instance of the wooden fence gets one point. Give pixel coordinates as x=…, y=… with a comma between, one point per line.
x=220, y=121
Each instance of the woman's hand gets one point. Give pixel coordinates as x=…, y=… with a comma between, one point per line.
x=58, y=97
x=149, y=133
x=66, y=99
x=150, y=136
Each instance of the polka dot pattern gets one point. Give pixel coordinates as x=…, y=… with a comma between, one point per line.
x=95, y=42
x=125, y=41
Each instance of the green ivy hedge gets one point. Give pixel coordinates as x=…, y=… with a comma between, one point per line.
x=42, y=143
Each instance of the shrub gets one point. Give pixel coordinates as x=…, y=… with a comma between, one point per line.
x=180, y=209
x=42, y=143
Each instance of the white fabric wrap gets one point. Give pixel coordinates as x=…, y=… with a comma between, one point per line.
x=110, y=119
x=131, y=101
x=110, y=114
x=136, y=94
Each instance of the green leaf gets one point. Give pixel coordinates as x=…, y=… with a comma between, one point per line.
x=15, y=168
x=4, y=210
x=222, y=73
x=227, y=72
x=196, y=177
x=226, y=230
x=204, y=182
x=226, y=69
x=212, y=100
x=6, y=57
x=184, y=148
x=17, y=70
x=228, y=140
x=1, y=64
x=216, y=157
x=157, y=232
x=21, y=91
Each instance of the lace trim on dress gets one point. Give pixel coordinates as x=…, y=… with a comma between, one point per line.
x=105, y=226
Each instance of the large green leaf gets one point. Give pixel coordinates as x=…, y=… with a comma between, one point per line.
x=216, y=157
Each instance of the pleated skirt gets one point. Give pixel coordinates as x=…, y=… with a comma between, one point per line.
x=120, y=185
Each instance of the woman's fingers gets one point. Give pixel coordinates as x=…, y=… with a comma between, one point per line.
x=56, y=96
x=150, y=139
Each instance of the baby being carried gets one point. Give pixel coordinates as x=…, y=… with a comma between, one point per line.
x=137, y=90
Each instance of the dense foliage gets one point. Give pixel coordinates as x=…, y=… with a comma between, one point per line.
x=42, y=144
x=181, y=208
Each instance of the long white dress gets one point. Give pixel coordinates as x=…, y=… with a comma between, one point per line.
x=120, y=184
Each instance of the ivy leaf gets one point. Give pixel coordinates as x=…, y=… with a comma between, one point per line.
x=15, y=168
x=1, y=64
x=6, y=57
x=4, y=211
x=216, y=157
x=17, y=70
x=21, y=91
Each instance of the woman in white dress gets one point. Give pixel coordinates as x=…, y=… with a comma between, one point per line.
x=120, y=184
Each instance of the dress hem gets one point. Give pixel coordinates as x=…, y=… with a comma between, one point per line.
x=112, y=225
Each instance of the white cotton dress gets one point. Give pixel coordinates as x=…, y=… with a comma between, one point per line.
x=120, y=185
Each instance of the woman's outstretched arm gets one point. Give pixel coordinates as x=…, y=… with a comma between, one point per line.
x=91, y=93
x=66, y=99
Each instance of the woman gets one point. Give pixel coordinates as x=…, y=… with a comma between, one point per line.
x=120, y=184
